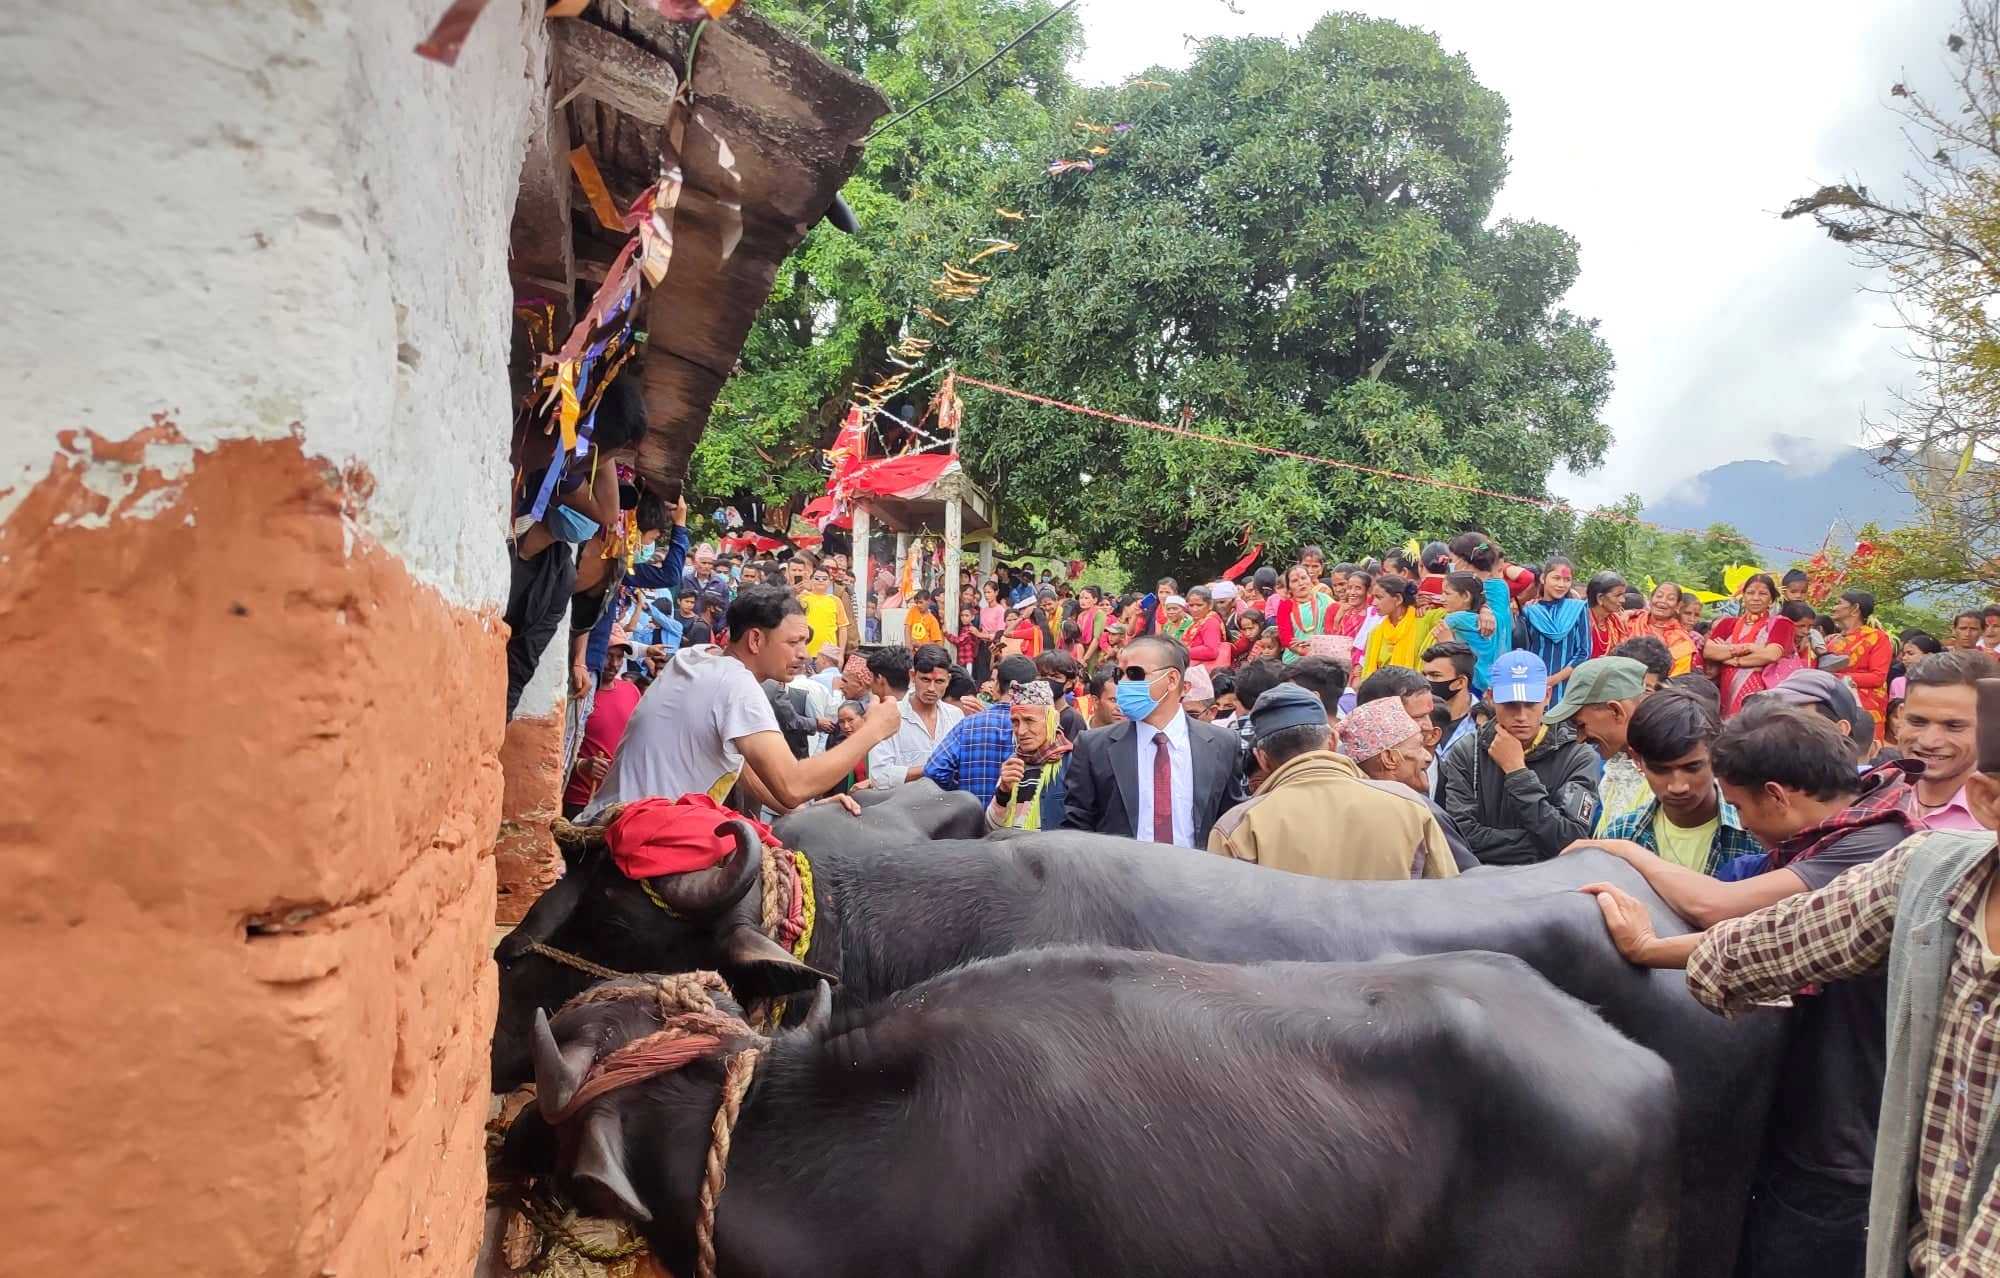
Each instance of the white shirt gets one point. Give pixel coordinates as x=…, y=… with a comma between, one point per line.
x=682, y=737
x=1182, y=756
x=822, y=702
x=912, y=745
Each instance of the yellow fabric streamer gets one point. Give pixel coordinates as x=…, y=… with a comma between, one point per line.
x=584, y=165
x=998, y=246
x=570, y=410
x=1010, y=214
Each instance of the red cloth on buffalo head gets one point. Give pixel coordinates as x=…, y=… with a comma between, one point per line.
x=650, y=837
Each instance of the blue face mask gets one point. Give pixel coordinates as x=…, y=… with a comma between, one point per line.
x=1136, y=699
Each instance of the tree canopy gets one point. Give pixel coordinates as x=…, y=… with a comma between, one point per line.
x=841, y=300
x=1292, y=246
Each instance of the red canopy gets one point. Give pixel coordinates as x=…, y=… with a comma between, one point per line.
x=904, y=476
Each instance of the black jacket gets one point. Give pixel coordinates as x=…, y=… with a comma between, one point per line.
x=1526, y=816
x=1103, y=779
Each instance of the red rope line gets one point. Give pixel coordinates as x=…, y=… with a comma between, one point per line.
x=1377, y=471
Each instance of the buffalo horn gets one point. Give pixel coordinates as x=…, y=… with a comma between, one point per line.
x=819, y=1017
x=544, y=918
x=559, y=1070
x=706, y=893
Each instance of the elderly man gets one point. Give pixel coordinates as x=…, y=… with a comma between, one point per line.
x=1600, y=697
x=1315, y=812
x=1029, y=795
x=1388, y=745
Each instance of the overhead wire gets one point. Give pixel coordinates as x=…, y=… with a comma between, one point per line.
x=999, y=53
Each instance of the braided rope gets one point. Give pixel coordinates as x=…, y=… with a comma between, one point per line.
x=735, y=1082
x=576, y=961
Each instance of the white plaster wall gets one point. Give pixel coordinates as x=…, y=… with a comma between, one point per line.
x=261, y=217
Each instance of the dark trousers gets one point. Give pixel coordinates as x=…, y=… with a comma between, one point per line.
x=1803, y=1225
x=536, y=596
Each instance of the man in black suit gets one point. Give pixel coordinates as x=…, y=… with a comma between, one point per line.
x=1159, y=775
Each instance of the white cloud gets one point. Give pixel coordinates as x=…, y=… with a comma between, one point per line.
x=1666, y=141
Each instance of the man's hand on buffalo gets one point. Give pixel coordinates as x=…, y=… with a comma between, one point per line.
x=1630, y=925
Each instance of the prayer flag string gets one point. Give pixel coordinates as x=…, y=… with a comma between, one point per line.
x=1379, y=472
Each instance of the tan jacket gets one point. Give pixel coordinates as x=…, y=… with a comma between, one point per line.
x=1317, y=814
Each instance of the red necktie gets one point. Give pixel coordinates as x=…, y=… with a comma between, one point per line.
x=1163, y=789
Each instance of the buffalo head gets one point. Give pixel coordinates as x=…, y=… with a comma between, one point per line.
x=624, y=1139
x=703, y=919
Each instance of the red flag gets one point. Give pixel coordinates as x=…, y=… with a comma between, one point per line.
x=1241, y=566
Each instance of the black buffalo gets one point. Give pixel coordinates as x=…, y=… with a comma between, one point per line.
x=913, y=812
x=1094, y=1111
x=890, y=917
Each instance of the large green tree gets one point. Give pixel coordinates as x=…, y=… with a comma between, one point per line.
x=841, y=300
x=1293, y=246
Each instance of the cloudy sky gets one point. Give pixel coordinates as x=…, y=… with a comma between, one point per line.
x=1666, y=140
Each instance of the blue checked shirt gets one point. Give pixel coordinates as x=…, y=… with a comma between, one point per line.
x=970, y=755
x=1731, y=839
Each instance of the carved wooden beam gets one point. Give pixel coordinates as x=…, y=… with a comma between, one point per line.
x=593, y=63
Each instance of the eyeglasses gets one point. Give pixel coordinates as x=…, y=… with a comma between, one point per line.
x=1139, y=674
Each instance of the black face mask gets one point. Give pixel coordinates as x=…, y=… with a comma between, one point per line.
x=1444, y=691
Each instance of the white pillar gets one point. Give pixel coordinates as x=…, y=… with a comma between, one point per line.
x=863, y=574
x=986, y=559
x=953, y=526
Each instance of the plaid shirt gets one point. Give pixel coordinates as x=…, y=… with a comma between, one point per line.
x=970, y=755
x=1731, y=839
x=1843, y=930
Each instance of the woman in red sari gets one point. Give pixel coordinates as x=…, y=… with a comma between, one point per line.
x=1610, y=624
x=1753, y=650
x=1207, y=642
x=1091, y=616
x=1353, y=592
x=1662, y=620
x=1867, y=648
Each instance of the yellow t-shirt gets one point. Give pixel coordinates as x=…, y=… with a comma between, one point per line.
x=1686, y=847
x=924, y=628
x=823, y=615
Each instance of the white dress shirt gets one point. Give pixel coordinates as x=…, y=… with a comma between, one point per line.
x=1182, y=755
x=912, y=745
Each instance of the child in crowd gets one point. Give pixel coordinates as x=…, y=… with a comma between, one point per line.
x=1462, y=594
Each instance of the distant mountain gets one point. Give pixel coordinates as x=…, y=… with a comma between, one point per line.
x=1790, y=503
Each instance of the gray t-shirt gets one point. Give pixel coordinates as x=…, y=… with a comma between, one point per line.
x=1830, y=1088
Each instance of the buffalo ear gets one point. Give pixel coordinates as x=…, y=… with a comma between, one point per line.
x=600, y=1164
x=758, y=967
x=819, y=1018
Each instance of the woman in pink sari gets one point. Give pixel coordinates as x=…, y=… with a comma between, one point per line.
x=1753, y=650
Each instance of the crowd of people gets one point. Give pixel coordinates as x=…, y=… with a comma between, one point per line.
x=1393, y=718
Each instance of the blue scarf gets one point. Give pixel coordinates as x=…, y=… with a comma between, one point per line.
x=1558, y=632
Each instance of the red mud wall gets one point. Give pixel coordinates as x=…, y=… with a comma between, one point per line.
x=525, y=854
x=251, y=776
